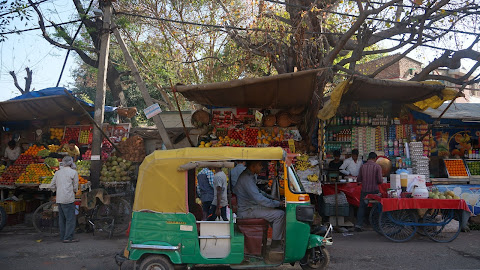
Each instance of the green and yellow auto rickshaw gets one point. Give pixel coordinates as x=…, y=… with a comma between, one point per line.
x=165, y=232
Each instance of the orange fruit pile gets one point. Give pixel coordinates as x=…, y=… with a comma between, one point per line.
x=33, y=173
x=33, y=150
x=82, y=180
x=456, y=168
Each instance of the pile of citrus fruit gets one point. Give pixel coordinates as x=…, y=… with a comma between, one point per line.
x=33, y=150
x=56, y=133
x=33, y=173
x=82, y=180
x=456, y=167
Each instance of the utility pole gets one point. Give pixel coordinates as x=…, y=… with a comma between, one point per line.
x=143, y=88
x=96, y=164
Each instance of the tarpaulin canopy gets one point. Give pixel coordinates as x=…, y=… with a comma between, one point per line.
x=465, y=111
x=43, y=104
x=162, y=188
x=420, y=95
x=273, y=92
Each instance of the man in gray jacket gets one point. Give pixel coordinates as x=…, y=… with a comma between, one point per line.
x=252, y=203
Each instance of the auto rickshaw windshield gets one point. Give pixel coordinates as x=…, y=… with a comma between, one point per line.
x=294, y=181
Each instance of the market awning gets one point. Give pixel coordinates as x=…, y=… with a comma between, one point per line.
x=367, y=89
x=420, y=95
x=43, y=104
x=38, y=108
x=274, y=92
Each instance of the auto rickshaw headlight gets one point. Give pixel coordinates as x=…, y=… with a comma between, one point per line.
x=305, y=213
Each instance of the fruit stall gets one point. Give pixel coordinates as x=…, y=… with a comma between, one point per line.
x=235, y=114
x=25, y=184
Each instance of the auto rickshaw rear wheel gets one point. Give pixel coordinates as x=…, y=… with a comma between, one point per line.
x=156, y=262
x=315, y=258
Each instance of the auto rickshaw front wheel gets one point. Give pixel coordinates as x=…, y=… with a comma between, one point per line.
x=315, y=258
x=156, y=262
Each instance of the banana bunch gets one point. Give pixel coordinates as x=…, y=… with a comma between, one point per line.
x=302, y=165
x=312, y=178
x=302, y=158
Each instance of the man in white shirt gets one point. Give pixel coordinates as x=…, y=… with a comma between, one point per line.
x=65, y=181
x=12, y=152
x=219, y=203
x=351, y=166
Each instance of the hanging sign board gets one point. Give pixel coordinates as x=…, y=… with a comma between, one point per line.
x=152, y=110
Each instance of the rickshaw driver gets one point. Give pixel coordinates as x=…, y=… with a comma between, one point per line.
x=252, y=203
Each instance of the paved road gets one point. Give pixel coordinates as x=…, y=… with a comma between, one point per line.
x=21, y=248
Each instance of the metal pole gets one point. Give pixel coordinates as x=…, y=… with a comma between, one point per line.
x=96, y=164
x=143, y=88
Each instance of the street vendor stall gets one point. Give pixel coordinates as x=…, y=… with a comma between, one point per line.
x=42, y=132
x=374, y=116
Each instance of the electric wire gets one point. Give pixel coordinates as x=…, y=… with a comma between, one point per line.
x=37, y=28
x=13, y=11
x=73, y=40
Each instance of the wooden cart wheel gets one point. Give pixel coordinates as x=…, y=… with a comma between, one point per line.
x=374, y=216
x=442, y=225
x=399, y=225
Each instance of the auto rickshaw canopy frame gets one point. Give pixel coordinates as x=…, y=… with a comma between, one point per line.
x=161, y=187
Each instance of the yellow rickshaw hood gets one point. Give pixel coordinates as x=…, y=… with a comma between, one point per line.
x=162, y=188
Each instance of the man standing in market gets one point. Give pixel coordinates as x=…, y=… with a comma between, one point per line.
x=370, y=176
x=65, y=182
x=72, y=149
x=205, y=190
x=219, y=203
x=12, y=152
x=351, y=166
x=252, y=203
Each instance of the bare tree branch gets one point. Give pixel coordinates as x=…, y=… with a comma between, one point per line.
x=15, y=82
x=28, y=79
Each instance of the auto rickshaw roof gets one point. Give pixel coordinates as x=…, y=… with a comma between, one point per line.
x=161, y=187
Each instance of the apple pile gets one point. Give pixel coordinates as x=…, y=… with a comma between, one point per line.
x=250, y=136
x=25, y=160
x=71, y=133
x=12, y=174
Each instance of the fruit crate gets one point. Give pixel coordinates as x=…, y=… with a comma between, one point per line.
x=450, y=165
x=473, y=167
x=13, y=207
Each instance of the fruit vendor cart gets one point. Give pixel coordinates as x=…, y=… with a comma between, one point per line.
x=398, y=219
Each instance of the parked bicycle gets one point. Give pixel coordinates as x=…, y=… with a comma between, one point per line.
x=112, y=218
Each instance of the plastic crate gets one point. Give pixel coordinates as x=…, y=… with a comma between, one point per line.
x=343, y=209
x=12, y=207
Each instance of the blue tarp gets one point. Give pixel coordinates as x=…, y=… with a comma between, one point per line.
x=56, y=91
